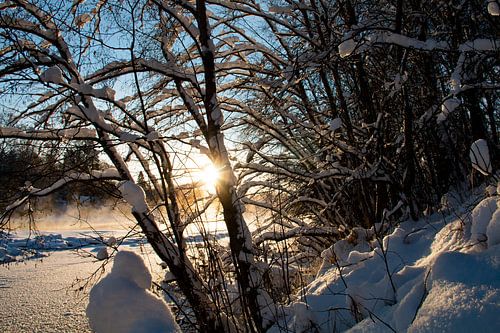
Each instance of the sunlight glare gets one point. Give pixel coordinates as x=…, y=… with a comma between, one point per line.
x=209, y=175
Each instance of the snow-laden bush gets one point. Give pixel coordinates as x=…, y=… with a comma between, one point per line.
x=426, y=276
x=121, y=302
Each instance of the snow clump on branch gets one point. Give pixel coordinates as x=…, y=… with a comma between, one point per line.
x=52, y=75
x=493, y=8
x=134, y=195
x=480, y=157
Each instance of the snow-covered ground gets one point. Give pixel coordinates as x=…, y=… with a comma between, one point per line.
x=37, y=295
x=439, y=274
x=39, y=285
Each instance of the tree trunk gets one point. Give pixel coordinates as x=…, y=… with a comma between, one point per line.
x=240, y=240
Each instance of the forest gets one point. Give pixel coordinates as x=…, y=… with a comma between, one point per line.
x=326, y=121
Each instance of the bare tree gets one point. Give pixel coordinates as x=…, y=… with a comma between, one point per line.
x=57, y=56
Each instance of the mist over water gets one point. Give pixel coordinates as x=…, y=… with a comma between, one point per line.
x=118, y=217
x=75, y=218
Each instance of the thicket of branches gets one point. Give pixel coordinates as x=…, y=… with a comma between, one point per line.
x=329, y=115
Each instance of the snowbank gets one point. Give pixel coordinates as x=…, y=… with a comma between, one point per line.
x=439, y=275
x=121, y=302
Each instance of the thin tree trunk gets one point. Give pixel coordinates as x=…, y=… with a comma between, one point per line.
x=240, y=240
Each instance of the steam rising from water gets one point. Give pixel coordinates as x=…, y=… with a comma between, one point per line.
x=76, y=218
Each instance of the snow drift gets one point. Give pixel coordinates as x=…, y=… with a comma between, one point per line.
x=435, y=275
x=122, y=302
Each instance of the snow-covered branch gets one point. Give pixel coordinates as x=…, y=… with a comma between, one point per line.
x=77, y=133
x=95, y=175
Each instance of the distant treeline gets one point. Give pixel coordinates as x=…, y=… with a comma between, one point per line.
x=24, y=167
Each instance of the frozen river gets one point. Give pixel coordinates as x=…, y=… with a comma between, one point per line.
x=37, y=295
x=40, y=295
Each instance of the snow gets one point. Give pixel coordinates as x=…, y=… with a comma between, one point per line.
x=41, y=295
x=38, y=296
x=152, y=136
x=216, y=116
x=494, y=8
x=102, y=253
x=82, y=20
x=335, y=124
x=439, y=268
x=106, y=173
x=481, y=216
x=493, y=229
x=347, y=47
x=111, y=241
x=450, y=105
x=443, y=277
x=303, y=319
x=134, y=195
x=480, y=157
x=128, y=137
x=105, y=93
x=197, y=144
x=464, y=294
x=121, y=302
x=52, y=75
x=432, y=275
x=480, y=44
x=18, y=247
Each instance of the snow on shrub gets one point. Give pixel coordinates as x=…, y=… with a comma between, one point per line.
x=347, y=47
x=450, y=105
x=426, y=276
x=493, y=8
x=493, y=229
x=52, y=75
x=102, y=253
x=121, y=302
x=335, y=124
x=481, y=216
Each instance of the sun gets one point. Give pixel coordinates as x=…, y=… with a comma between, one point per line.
x=209, y=175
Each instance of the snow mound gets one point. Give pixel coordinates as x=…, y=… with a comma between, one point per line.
x=481, y=216
x=121, y=302
x=434, y=275
x=464, y=294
